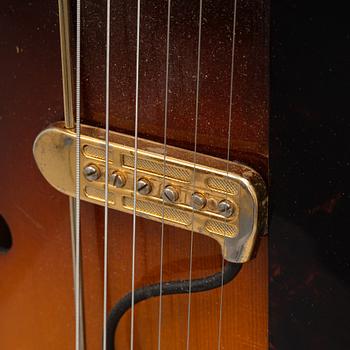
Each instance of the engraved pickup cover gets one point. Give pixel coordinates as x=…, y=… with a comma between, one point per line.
x=224, y=200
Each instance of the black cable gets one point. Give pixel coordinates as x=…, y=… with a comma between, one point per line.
x=173, y=287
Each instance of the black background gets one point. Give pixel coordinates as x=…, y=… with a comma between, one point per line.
x=310, y=161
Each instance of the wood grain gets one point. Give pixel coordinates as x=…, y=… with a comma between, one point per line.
x=36, y=290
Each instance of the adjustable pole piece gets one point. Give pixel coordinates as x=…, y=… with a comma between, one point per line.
x=233, y=196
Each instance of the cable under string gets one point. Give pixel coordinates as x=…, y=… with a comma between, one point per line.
x=135, y=175
x=204, y=284
x=194, y=169
x=228, y=160
x=164, y=171
x=105, y=235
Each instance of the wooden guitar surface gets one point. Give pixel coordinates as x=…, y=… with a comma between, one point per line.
x=36, y=290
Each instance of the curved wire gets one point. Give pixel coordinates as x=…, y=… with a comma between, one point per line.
x=168, y=288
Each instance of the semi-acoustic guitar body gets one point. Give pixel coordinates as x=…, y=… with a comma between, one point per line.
x=189, y=80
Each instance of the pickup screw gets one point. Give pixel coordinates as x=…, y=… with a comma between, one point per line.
x=225, y=207
x=144, y=186
x=170, y=194
x=118, y=179
x=198, y=201
x=91, y=172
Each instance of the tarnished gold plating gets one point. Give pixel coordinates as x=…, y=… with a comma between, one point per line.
x=54, y=152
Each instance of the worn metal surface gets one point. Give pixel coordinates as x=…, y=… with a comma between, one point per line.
x=236, y=210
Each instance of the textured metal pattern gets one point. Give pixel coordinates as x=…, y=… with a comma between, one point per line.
x=94, y=152
x=223, y=185
x=156, y=210
x=98, y=194
x=242, y=186
x=157, y=167
x=221, y=228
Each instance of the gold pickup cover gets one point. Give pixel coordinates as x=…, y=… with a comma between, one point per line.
x=226, y=201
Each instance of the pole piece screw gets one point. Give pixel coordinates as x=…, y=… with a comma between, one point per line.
x=91, y=172
x=198, y=201
x=144, y=186
x=170, y=194
x=118, y=179
x=226, y=208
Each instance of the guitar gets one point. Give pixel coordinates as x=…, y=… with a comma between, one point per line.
x=135, y=202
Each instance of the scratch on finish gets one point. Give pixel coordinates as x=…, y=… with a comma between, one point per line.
x=30, y=218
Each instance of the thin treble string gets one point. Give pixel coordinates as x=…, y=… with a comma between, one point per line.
x=105, y=262
x=164, y=169
x=77, y=189
x=228, y=159
x=135, y=174
x=194, y=169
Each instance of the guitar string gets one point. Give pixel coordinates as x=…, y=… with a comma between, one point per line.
x=77, y=186
x=135, y=174
x=194, y=170
x=72, y=208
x=105, y=255
x=64, y=23
x=69, y=121
x=164, y=170
x=234, y=21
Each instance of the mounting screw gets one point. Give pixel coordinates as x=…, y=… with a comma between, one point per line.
x=118, y=179
x=144, y=186
x=170, y=194
x=225, y=208
x=198, y=201
x=91, y=172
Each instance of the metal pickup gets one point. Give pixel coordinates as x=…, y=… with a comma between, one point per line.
x=220, y=199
